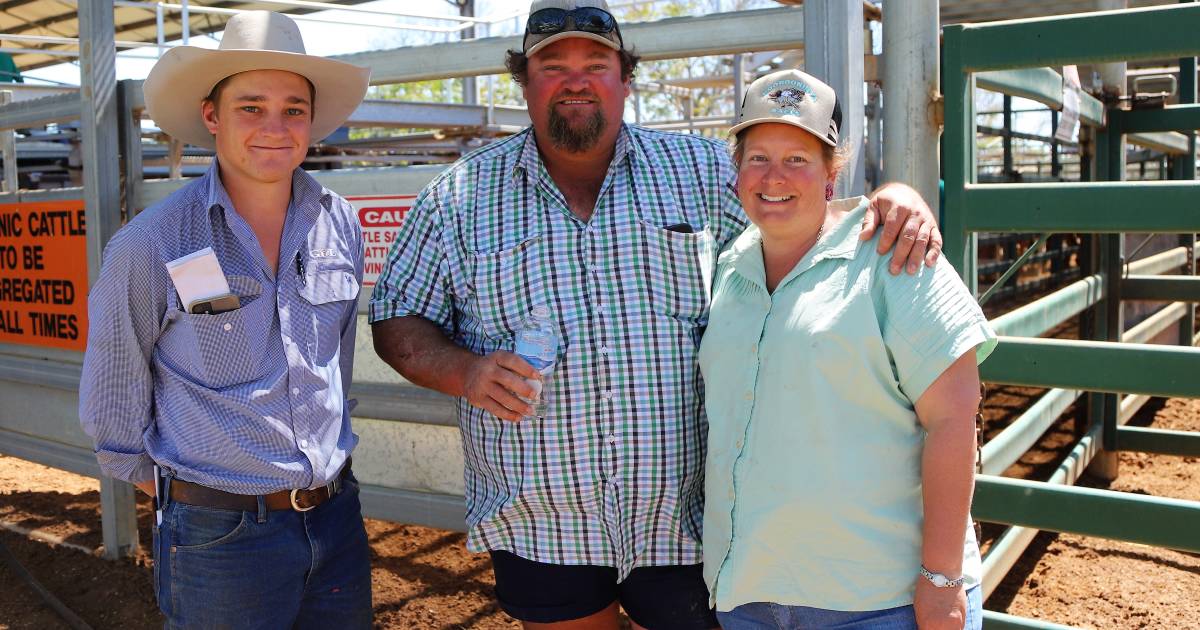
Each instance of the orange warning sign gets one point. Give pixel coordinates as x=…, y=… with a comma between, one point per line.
x=43, y=274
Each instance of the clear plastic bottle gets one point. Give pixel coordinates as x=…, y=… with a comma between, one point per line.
x=537, y=342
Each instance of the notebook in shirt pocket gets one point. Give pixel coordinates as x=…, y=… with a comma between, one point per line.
x=327, y=288
x=218, y=350
x=506, y=284
x=678, y=267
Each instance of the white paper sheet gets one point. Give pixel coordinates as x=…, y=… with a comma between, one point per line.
x=197, y=277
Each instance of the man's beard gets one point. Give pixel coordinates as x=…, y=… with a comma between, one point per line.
x=567, y=137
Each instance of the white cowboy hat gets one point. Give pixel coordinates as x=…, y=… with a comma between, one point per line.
x=254, y=40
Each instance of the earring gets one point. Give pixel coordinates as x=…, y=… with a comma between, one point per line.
x=828, y=192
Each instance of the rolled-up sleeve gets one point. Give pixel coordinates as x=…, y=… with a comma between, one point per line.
x=116, y=402
x=932, y=320
x=415, y=276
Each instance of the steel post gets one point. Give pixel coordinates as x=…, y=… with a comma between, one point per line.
x=1006, y=140
x=739, y=82
x=911, y=91
x=874, y=143
x=130, y=130
x=959, y=138
x=102, y=199
x=8, y=147
x=1187, y=171
x=833, y=52
x=470, y=88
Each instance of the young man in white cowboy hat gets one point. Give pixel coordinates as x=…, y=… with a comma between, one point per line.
x=616, y=229
x=229, y=404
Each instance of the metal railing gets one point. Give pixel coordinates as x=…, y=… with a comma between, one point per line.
x=1109, y=360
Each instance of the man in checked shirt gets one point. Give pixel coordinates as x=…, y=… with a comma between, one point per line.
x=617, y=229
x=244, y=411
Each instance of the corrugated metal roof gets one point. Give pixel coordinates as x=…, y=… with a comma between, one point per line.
x=58, y=18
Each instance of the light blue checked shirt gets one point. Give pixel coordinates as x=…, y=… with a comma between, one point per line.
x=249, y=401
x=613, y=475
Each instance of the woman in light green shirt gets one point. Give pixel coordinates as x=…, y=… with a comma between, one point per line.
x=840, y=398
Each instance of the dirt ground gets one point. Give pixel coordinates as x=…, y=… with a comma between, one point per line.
x=424, y=578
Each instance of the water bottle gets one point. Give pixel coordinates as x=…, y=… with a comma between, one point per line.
x=537, y=343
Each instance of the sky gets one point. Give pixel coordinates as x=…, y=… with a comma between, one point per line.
x=328, y=39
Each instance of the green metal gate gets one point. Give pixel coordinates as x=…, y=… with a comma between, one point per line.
x=1110, y=361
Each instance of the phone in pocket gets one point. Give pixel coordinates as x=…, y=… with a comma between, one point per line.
x=215, y=305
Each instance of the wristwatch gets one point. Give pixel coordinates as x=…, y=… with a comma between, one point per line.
x=940, y=580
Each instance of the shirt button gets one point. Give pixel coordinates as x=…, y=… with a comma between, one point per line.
x=748, y=395
x=228, y=327
x=739, y=444
x=754, y=348
x=603, y=349
x=287, y=339
x=303, y=443
x=612, y=438
x=607, y=394
x=295, y=391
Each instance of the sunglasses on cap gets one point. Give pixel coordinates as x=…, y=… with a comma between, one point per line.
x=586, y=19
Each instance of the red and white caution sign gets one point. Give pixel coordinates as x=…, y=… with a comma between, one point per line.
x=380, y=217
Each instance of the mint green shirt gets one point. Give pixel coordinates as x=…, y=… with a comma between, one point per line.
x=813, y=475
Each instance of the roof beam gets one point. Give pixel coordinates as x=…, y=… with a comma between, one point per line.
x=672, y=38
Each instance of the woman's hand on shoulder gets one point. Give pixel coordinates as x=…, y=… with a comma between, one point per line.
x=908, y=223
x=939, y=608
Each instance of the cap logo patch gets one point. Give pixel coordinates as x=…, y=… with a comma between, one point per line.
x=789, y=95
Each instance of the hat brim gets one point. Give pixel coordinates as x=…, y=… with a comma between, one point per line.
x=185, y=76
x=787, y=120
x=568, y=34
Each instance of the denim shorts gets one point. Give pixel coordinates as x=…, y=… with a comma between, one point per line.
x=767, y=616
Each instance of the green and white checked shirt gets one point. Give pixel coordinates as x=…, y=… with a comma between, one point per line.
x=613, y=475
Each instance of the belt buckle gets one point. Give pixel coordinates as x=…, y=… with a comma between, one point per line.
x=296, y=506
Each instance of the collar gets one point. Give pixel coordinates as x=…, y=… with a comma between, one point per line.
x=529, y=163
x=304, y=189
x=745, y=254
x=217, y=197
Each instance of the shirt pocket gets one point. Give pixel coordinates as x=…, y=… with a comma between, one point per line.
x=220, y=350
x=327, y=290
x=678, y=271
x=322, y=286
x=506, y=285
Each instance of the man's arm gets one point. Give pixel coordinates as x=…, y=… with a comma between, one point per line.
x=411, y=309
x=116, y=389
x=419, y=350
x=905, y=214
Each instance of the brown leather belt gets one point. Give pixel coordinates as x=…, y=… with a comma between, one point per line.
x=300, y=499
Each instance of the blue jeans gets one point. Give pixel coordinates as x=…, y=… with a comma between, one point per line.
x=267, y=569
x=767, y=616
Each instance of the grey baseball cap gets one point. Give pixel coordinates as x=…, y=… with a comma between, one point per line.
x=534, y=41
x=794, y=98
